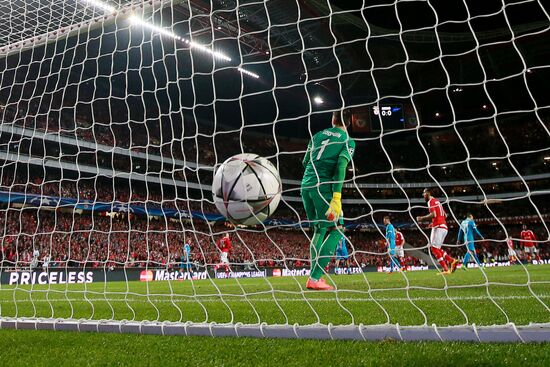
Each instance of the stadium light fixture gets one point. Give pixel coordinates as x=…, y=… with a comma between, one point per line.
x=216, y=54
x=318, y=100
x=137, y=21
x=248, y=72
x=547, y=158
x=101, y=5
x=484, y=106
x=140, y=22
x=437, y=114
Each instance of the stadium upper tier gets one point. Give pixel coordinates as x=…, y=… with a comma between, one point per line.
x=383, y=165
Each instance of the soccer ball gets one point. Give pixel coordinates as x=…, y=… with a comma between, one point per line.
x=246, y=189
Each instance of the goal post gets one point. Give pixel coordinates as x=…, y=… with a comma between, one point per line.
x=470, y=333
x=115, y=116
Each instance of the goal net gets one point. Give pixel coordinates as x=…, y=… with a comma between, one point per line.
x=115, y=116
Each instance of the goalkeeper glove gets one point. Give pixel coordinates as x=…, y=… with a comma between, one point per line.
x=335, y=207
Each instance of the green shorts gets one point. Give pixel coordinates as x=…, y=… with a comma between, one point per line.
x=316, y=205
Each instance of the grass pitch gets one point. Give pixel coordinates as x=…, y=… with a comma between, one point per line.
x=56, y=348
x=493, y=296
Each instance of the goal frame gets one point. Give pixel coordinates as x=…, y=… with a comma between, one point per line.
x=509, y=333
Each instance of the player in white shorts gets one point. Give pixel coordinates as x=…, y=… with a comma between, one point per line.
x=528, y=239
x=439, y=232
x=399, y=251
x=512, y=255
x=224, y=245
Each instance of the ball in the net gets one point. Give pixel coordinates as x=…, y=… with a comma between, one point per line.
x=246, y=189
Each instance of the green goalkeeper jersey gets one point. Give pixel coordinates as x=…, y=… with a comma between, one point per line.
x=322, y=155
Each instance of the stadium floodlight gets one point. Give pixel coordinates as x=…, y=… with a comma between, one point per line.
x=101, y=5
x=318, y=100
x=135, y=20
x=216, y=54
x=249, y=73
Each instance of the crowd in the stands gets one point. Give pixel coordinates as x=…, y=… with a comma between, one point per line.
x=65, y=238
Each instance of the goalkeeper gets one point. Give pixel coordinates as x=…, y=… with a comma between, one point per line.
x=390, y=240
x=325, y=163
x=466, y=234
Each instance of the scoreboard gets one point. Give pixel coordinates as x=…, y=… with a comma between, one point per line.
x=388, y=116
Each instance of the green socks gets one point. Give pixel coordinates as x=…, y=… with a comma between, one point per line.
x=322, y=250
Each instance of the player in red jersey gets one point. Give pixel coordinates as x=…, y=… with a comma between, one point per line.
x=512, y=256
x=528, y=238
x=439, y=232
x=224, y=245
x=399, y=252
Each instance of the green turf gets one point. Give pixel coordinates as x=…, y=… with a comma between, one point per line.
x=26, y=348
x=371, y=298
x=496, y=296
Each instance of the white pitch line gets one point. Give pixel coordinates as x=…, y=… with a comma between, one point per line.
x=247, y=300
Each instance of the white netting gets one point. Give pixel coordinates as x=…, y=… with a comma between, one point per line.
x=116, y=114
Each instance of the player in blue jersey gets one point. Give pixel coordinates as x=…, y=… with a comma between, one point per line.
x=466, y=236
x=342, y=253
x=186, y=264
x=390, y=240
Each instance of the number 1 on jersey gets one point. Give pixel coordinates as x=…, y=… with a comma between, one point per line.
x=322, y=149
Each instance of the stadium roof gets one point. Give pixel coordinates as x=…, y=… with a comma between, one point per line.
x=352, y=58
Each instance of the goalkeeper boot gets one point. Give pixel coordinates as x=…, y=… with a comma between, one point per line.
x=319, y=285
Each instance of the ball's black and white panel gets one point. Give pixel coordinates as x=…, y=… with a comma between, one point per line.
x=267, y=175
x=238, y=211
x=271, y=183
x=225, y=180
x=247, y=187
